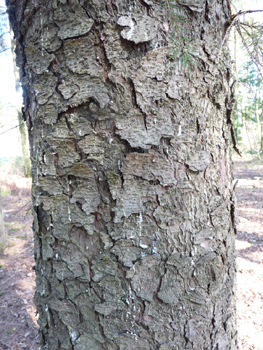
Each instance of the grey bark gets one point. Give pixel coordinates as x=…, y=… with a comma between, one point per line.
x=132, y=181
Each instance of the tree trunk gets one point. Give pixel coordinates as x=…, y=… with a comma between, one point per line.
x=2, y=226
x=261, y=131
x=132, y=182
x=21, y=123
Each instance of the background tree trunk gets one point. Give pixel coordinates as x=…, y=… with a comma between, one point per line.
x=132, y=182
x=2, y=226
x=21, y=122
x=261, y=132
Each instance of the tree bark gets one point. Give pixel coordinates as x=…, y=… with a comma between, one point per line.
x=132, y=182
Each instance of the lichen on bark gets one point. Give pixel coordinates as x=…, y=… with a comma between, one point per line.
x=132, y=181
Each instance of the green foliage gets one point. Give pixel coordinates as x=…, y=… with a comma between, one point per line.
x=14, y=229
x=252, y=82
x=184, y=51
x=4, y=192
x=248, y=111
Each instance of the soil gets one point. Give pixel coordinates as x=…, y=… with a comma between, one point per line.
x=18, y=319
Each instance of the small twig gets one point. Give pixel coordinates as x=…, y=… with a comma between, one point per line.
x=3, y=50
x=245, y=12
x=22, y=251
x=23, y=206
x=249, y=53
x=250, y=25
x=4, y=282
x=235, y=185
x=10, y=129
x=3, y=34
x=225, y=36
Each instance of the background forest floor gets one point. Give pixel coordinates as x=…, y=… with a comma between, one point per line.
x=18, y=327
x=249, y=245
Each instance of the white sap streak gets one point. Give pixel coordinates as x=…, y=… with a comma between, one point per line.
x=37, y=170
x=41, y=35
x=179, y=131
x=124, y=213
x=43, y=282
x=73, y=335
x=69, y=213
x=205, y=193
x=154, y=248
x=192, y=208
x=143, y=246
x=37, y=175
x=127, y=315
x=130, y=293
x=130, y=314
x=69, y=216
x=140, y=224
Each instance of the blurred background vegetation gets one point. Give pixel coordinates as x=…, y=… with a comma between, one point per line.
x=246, y=45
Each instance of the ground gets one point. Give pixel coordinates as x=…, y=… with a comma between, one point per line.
x=249, y=246
x=18, y=326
